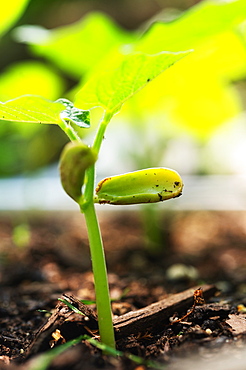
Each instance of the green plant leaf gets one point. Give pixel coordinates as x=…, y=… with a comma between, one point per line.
x=30, y=77
x=111, y=88
x=198, y=96
x=193, y=27
x=35, y=109
x=78, y=47
x=71, y=306
x=74, y=115
x=10, y=12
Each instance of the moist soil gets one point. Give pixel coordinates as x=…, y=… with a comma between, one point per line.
x=44, y=256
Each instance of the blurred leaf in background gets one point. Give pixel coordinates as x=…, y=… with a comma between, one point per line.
x=30, y=77
x=10, y=12
x=79, y=47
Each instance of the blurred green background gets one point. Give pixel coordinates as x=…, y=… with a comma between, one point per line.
x=190, y=118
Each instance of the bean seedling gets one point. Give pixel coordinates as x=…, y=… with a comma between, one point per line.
x=109, y=90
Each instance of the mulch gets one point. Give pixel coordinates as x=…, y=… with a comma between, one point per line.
x=163, y=312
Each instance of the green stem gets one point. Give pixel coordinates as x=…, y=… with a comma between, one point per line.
x=100, y=133
x=90, y=172
x=69, y=131
x=105, y=321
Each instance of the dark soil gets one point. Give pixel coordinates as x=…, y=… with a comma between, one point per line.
x=51, y=257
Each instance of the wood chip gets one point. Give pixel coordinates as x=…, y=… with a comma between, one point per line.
x=152, y=317
x=237, y=323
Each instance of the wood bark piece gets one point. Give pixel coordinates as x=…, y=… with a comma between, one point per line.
x=237, y=324
x=152, y=317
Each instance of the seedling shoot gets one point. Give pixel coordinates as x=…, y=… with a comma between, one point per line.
x=109, y=90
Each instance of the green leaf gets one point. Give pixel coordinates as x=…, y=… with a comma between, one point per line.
x=78, y=47
x=193, y=27
x=111, y=88
x=30, y=77
x=74, y=115
x=197, y=95
x=71, y=306
x=10, y=12
x=35, y=109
